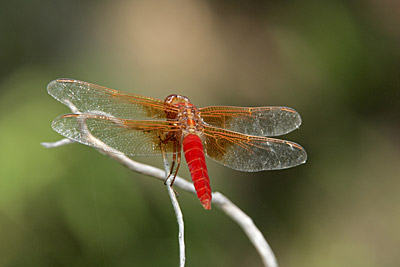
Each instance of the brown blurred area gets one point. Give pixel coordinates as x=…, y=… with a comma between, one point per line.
x=335, y=62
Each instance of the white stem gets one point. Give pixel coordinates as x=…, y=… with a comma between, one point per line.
x=221, y=201
x=61, y=142
x=178, y=212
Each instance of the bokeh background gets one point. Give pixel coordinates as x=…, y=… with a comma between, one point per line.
x=336, y=62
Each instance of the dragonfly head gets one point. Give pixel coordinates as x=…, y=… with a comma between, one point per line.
x=176, y=99
x=175, y=105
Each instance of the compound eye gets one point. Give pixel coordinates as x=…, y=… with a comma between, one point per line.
x=171, y=98
x=176, y=99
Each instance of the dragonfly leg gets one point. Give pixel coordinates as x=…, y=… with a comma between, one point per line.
x=178, y=164
x=163, y=141
x=172, y=166
x=176, y=155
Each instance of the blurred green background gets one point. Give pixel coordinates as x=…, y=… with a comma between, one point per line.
x=336, y=62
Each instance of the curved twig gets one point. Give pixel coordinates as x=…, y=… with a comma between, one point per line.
x=245, y=222
x=178, y=212
x=218, y=199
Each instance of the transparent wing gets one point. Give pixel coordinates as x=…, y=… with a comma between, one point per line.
x=251, y=153
x=131, y=137
x=260, y=121
x=95, y=99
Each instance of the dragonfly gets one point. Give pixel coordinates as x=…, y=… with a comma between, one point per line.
x=236, y=137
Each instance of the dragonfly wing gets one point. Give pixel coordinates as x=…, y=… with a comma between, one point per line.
x=95, y=99
x=251, y=153
x=260, y=121
x=131, y=137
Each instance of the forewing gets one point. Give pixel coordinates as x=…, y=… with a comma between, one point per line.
x=260, y=121
x=95, y=99
x=251, y=153
x=131, y=137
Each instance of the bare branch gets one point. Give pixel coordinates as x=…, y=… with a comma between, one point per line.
x=218, y=199
x=61, y=142
x=245, y=222
x=178, y=213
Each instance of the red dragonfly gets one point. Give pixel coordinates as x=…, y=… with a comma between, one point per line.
x=143, y=126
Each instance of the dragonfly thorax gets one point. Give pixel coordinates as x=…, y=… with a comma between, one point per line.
x=190, y=120
x=188, y=115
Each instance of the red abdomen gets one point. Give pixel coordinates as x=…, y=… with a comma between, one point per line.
x=194, y=154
